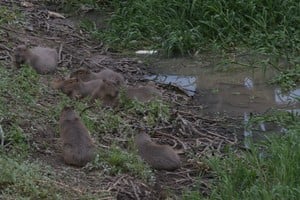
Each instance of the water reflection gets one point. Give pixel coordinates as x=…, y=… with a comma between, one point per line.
x=247, y=132
x=289, y=98
x=233, y=93
x=248, y=83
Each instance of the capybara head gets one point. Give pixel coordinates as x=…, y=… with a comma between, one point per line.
x=82, y=74
x=69, y=85
x=110, y=88
x=68, y=113
x=21, y=53
x=141, y=138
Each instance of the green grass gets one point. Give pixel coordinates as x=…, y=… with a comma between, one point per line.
x=288, y=79
x=183, y=27
x=269, y=170
x=31, y=180
x=115, y=160
x=251, y=175
x=10, y=16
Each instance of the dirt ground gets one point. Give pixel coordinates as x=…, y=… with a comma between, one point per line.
x=198, y=135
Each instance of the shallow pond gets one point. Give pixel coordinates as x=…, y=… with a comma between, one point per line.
x=227, y=88
x=236, y=91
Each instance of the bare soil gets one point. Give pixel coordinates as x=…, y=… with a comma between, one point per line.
x=199, y=136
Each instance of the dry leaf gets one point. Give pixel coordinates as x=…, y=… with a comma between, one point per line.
x=55, y=15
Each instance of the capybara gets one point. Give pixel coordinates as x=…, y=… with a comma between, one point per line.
x=77, y=144
x=160, y=157
x=106, y=74
x=105, y=90
x=44, y=60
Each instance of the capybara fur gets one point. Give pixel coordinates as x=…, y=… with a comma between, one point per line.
x=160, y=157
x=44, y=60
x=106, y=74
x=105, y=90
x=77, y=145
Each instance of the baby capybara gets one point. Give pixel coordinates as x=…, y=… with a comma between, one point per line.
x=44, y=60
x=106, y=74
x=105, y=90
x=77, y=145
x=161, y=157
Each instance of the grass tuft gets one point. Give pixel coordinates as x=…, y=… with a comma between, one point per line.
x=273, y=173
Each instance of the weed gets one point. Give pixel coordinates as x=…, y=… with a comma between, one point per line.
x=90, y=27
x=191, y=195
x=115, y=161
x=281, y=118
x=273, y=174
x=151, y=112
x=17, y=139
x=288, y=79
x=8, y=16
x=27, y=180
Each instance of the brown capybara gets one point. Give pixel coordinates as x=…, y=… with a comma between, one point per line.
x=77, y=144
x=160, y=157
x=108, y=93
x=65, y=85
x=44, y=60
x=106, y=74
x=142, y=93
x=105, y=90
x=74, y=87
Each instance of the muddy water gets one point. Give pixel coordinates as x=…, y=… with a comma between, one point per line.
x=237, y=91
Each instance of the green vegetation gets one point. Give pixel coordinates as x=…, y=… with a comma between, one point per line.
x=269, y=174
x=181, y=27
x=8, y=16
x=152, y=112
x=288, y=79
x=269, y=170
x=117, y=161
x=26, y=180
